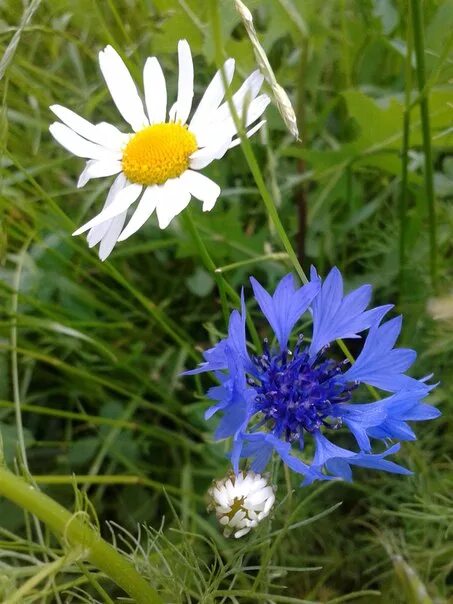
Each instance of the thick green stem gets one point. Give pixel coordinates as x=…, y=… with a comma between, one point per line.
x=419, y=47
x=76, y=533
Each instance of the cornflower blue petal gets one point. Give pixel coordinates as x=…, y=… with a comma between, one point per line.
x=394, y=429
x=237, y=399
x=361, y=435
x=381, y=365
x=217, y=393
x=335, y=317
x=258, y=449
x=368, y=414
x=232, y=420
x=273, y=402
x=340, y=467
x=286, y=306
x=326, y=450
x=235, y=455
x=215, y=357
x=236, y=334
x=376, y=461
x=360, y=418
x=423, y=412
x=386, y=418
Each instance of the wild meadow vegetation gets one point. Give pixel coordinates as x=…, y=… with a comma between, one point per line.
x=93, y=410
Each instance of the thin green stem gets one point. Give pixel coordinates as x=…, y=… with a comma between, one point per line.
x=45, y=571
x=405, y=156
x=255, y=260
x=207, y=261
x=14, y=363
x=76, y=533
x=222, y=283
x=419, y=47
x=15, y=375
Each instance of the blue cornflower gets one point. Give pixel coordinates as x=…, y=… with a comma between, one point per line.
x=287, y=395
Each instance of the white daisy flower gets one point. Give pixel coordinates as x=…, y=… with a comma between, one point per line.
x=241, y=502
x=157, y=165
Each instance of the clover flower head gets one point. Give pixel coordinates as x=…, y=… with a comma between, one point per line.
x=302, y=400
x=157, y=164
x=241, y=501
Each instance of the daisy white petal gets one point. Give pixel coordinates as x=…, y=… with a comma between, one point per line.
x=173, y=198
x=110, y=135
x=249, y=133
x=246, y=93
x=104, y=134
x=98, y=168
x=122, y=201
x=212, y=97
x=210, y=133
x=111, y=237
x=78, y=145
x=181, y=109
x=202, y=158
x=122, y=88
x=249, y=114
x=256, y=108
x=162, y=155
x=145, y=208
x=155, y=91
x=79, y=124
x=201, y=187
x=97, y=233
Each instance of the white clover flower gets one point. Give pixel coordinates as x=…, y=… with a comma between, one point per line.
x=159, y=162
x=241, y=502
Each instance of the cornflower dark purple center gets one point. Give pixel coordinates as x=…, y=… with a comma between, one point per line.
x=295, y=393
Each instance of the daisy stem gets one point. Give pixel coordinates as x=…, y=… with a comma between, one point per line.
x=255, y=169
x=207, y=261
x=222, y=284
x=249, y=154
x=76, y=533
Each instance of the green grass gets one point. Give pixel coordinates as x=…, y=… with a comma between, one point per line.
x=90, y=352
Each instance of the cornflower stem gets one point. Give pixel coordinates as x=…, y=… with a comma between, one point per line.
x=250, y=156
x=77, y=534
x=419, y=47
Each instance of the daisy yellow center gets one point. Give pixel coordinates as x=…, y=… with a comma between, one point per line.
x=157, y=153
